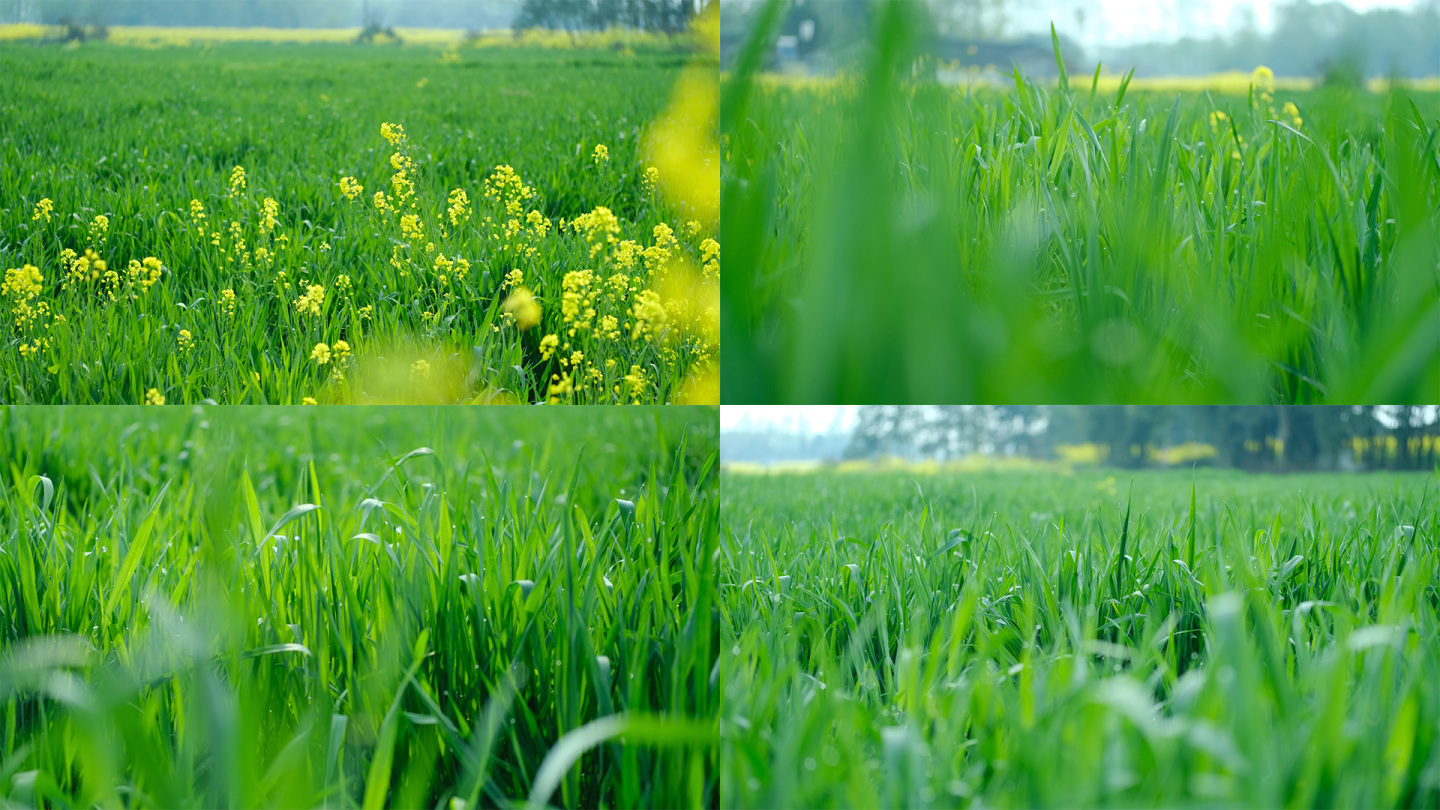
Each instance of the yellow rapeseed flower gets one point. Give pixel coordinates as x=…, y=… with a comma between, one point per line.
x=308, y=401
x=271, y=210
x=43, y=209
x=682, y=143
x=459, y=210
x=350, y=188
x=237, y=180
x=320, y=354
x=311, y=301
x=1293, y=113
x=521, y=305
x=601, y=154
x=153, y=397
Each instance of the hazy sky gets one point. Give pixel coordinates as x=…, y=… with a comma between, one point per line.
x=1113, y=22
x=815, y=418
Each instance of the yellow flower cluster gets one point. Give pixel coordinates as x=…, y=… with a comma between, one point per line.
x=601, y=154
x=1293, y=113
x=271, y=210
x=459, y=210
x=42, y=210
x=79, y=269
x=23, y=283
x=402, y=184
x=649, y=314
x=505, y=187
x=350, y=188
x=22, y=286
x=1263, y=80
x=311, y=301
x=237, y=180
x=600, y=227
x=657, y=256
x=577, y=301
x=637, y=384
x=142, y=275
x=710, y=257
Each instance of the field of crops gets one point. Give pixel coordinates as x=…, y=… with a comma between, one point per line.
x=1035, y=639
x=904, y=240
x=286, y=223
x=384, y=607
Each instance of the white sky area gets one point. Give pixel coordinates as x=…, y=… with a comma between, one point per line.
x=1120, y=22
x=791, y=418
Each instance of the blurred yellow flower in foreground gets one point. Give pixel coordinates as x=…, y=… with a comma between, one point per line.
x=522, y=305
x=682, y=145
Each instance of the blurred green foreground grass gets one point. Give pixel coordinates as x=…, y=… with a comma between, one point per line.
x=893, y=239
x=216, y=607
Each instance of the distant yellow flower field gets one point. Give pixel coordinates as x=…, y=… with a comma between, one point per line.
x=1230, y=83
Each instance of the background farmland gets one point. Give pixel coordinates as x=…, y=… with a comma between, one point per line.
x=915, y=638
x=136, y=151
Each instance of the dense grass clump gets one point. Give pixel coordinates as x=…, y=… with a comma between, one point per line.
x=267, y=224
x=1043, y=639
x=385, y=607
x=904, y=240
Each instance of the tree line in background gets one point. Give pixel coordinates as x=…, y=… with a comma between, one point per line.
x=1330, y=40
x=1327, y=39
x=1249, y=437
x=456, y=14
x=667, y=16
x=571, y=15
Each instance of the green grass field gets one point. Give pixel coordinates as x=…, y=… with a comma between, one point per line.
x=1027, y=639
x=379, y=607
x=894, y=239
x=210, y=227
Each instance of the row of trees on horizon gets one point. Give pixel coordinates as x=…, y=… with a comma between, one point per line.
x=1306, y=38
x=1250, y=437
x=571, y=15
